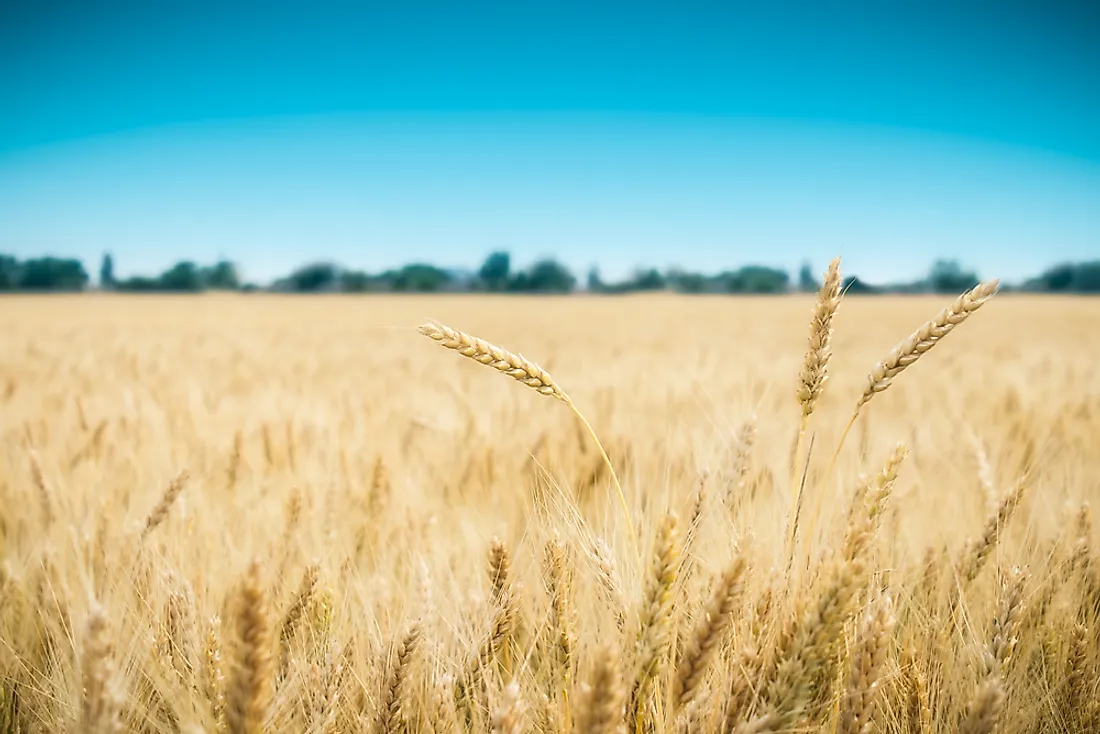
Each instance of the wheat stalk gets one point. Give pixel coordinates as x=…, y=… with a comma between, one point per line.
x=655, y=620
x=865, y=669
x=978, y=550
x=298, y=605
x=602, y=710
x=508, y=716
x=249, y=691
x=391, y=713
x=1006, y=623
x=815, y=371
x=563, y=639
x=214, y=673
x=499, y=566
x=530, y=374
x=101, y=706
x=160, y=511
x=985, y=707
x=913, y=347
x=704, y=644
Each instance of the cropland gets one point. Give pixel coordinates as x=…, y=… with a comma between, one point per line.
x=246, y=513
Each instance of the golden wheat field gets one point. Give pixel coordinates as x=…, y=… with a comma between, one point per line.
x=266, y=513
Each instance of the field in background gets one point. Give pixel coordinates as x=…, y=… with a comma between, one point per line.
x=369, y=472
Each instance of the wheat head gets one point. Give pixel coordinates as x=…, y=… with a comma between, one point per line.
x=926, y=337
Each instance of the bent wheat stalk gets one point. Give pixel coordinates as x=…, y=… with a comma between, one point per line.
x=530, y=374
x=908, y=352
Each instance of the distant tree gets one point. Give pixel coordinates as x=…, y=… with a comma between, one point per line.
x=355, y=281
x=52, y=274
x=312, y=278
x=807, y=282
x=139, y=284
x=9, y=273
x=107, y=272
x=222, y=276
x=754, y=279
x=647, y=280
x=683, y=282
x=493, y=273
x=947, y=276
x=1056, y=279
x=1086, y=278
x=420, y=278
x=1067, y=278
x=545, y=276
x=183, y=277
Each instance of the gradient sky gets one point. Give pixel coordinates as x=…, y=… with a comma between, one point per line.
x=705, y=135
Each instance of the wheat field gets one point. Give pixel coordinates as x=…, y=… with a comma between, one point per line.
x=268, y=513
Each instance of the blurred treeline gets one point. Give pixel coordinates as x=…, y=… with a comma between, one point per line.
x=497, y=275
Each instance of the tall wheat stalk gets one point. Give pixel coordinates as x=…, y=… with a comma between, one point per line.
x=812, y=378
x=904, y=354
x=530, y=374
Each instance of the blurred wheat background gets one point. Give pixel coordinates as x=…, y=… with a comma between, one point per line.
x=266, y=513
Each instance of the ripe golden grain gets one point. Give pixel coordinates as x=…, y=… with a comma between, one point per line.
x=308, y=446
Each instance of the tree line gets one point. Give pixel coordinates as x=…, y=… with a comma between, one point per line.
x=496, y=275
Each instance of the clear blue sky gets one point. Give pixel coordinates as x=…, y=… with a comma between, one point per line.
x=706, y=135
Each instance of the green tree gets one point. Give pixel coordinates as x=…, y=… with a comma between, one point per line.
x=684, y=282
x=9, y=273
x=107, y=272
x=183, y=277
x=545, y=276
x=222, y=276
x=355, y=281
x=420, y=278
x=647, y=280
x=807, y=282
x=1067, y=278
x=138, y=284
x=52, y=274
x=754, y=279
x=493, y=273
x=1086, y=278
x=947, y=276
x=312, y=278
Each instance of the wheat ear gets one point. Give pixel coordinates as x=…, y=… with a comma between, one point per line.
x=563, y=639
x=911, y=349
x=815, y=371
x=391, y=713
x=985, y=706
x=508, y=715
x=530, y=374
x=655, y=619
x=158, y=514
x=101, y=705
x=1006, y=624
x=704, y=645
x=602, y=711
x=500, y=564
x=249, y=693
x=977, y=550
x=298, y=606
x=865, y=670
x=214, y=669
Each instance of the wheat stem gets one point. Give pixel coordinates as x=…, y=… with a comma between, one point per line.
x=530, y=374
x=909, y=351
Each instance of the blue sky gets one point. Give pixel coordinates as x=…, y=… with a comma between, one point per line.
x=705, y=135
